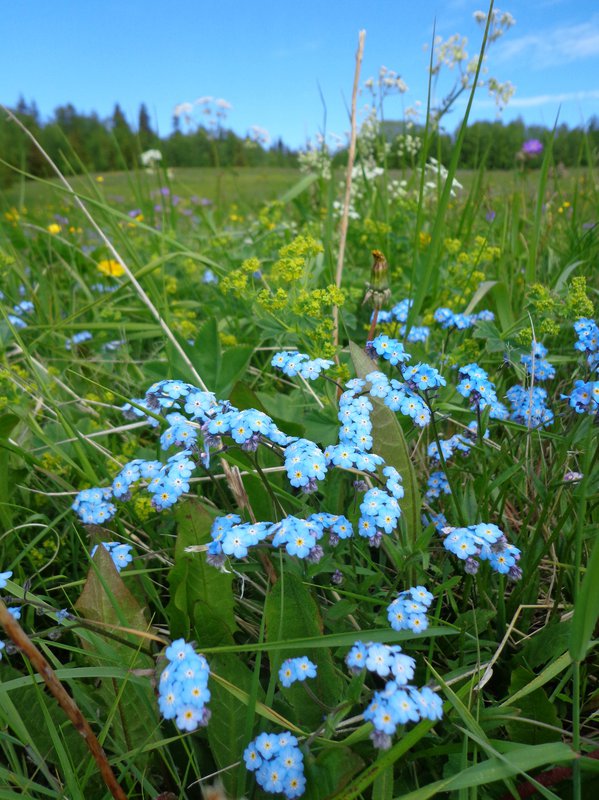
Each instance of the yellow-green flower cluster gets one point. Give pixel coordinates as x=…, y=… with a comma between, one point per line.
x=293, y=257
x=375, y=233
x=551, y=309
x=236, y=282
x=578, y=303
x=465, y=270
x=287, y=292
x=270, y=215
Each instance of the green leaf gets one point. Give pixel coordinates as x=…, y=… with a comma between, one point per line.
x=382, y=788
x=535, y=706
x=343, y=639
x=483, y=289
x=106, y=599
x=205, y=354
x=291, y=611
x=7, y=423
x=562, y=278
x=27, y=700
x=228, y=713
x=233, y=367
x=390, y=443
x=298, y=188
x=515, y=762
x=202, y=597
x=550, y=672
x=330, y=772
x=503, y=304
x=586, y=610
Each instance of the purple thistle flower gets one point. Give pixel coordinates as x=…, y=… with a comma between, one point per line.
x=532, y=147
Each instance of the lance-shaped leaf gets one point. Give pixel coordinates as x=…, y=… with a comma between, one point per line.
x=390, y=443
x=202, y=600
x=106, y=599
x=291, y=612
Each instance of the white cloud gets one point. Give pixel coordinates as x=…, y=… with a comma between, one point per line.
x=553, y=46
x=545, y=99
x=537, y=100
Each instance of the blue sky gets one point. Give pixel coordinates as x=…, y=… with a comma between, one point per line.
x=287, y=67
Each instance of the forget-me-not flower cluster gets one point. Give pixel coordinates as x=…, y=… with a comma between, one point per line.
x=120, y=553
x=408, y=611
x=584, y=398
x=183, y=687
x=476, y=387
x=449, y=320
x=398, y=702
x=296, y=669
x=278, y=763
x=459, y=442
x=588, y=340
x=483, y=542
x=294, y=363
x=437, y=485
x=536, y=365
x=529, y=406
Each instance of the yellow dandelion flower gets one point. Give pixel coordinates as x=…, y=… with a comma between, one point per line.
x=99, y=179
x=108, y=266
x=54, y=228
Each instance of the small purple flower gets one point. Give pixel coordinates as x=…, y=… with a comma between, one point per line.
x=490, y=215
x=532, y=147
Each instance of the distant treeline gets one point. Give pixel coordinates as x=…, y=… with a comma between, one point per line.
x=499, y=146
x=86, y=142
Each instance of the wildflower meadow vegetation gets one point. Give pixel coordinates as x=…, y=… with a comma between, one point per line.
x=299, y=495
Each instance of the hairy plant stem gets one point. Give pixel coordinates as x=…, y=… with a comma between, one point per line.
x=458, y=511
x=481, y=441
x=275, y=501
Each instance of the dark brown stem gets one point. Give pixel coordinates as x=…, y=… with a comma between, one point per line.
x=66, y=702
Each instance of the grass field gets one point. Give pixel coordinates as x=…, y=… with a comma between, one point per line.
x=248, y=187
